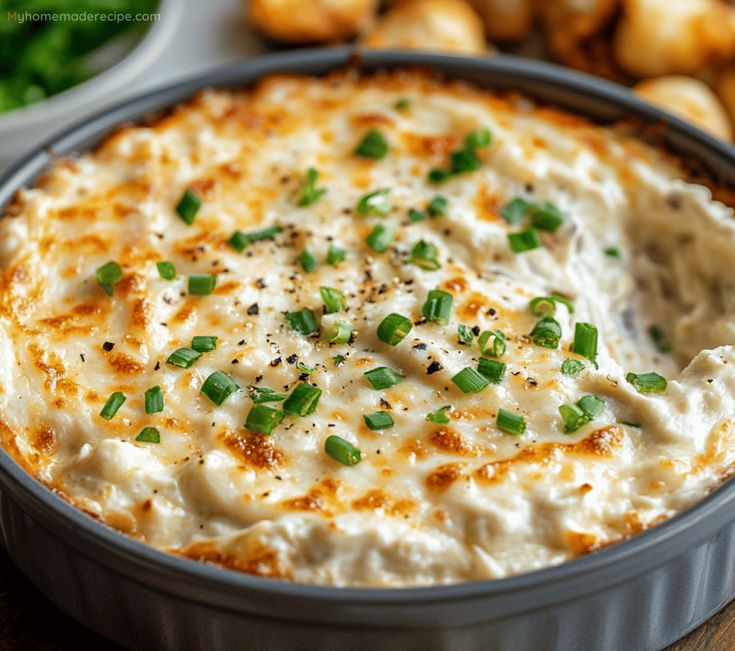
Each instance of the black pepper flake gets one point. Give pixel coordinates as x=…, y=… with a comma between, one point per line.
x=253, y=309
x=241, y=342
x=385, y=403
x=420, y=346
x=258, y=379
x=303, y=377
x=476, y=331
x=260, y=283
x=81, y=356
x=492, y=311
x=532, y=381
x=292, y=359
x=108, y=346
x=276, y=362
x=235, y=361
x=434, y=367
x=157, y=366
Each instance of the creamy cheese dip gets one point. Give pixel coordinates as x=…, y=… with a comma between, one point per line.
x=433, y=495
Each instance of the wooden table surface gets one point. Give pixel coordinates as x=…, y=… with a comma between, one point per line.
x=30, y=621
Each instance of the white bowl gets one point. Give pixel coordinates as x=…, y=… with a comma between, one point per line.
x=24, y=128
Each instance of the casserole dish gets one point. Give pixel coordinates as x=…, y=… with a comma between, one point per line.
x=640, y=594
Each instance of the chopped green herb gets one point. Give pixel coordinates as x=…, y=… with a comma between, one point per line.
x=202, y=284
x=582, y=412
x=166, y=270
x=437, y=207
x=510, y=422
x=183, y=357
x=416, y=215
x=585, y=341
x=542, y=306
x=149, y=435
x=523, y=241
x=402, y=104
x=425, y=255
x=334, y=300
x=515, y=211
x=439, y=416
x=303, y=321
x=188, y=206
x=339, y=333
x=572, y=367
x=373, y=145
x=309, y=192
x=613, y=252
x=464, y=161
x=469, y=380
x=240, y=241
x=154, y=400
x=307, y=261
x=335, y=255
x=647, y=382
x=113, y=404
x=439, y=175
x=491, y=369
x=382, y=377
x=631, y=423
x=303, y=368
x=303, y=400
x=394, y=328
x=379, y=420
x=591, y=405
x=478, y=139
x=546, y=332
x=338, y=360
x=204, y=344
x=108, y=275
x=342, y=451
x=375, y=203
x=218, y=387
x=380, y=238
x=564, y=301
x=262, y=419
x=546, y=216
x=492, y=343
x=660, y=340
x=264, y=394
x=465, y=336
x=438, y=307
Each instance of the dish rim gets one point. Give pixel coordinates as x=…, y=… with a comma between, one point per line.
x=56, y=511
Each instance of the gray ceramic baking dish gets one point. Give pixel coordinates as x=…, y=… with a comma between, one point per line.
x=640, y=594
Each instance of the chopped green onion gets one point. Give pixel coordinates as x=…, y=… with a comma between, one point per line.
x=647, y=382
x=342, y=451
x=303, y=368
x=425, y=255
x=438, y=307
x=202, y=284
x=307, y=261
x=491, y=369
x=153, y=400
x=660, y=340
x=113, y=404
x=240, y=241
x=577, y=415
x=585, y=341
x=542, y=306
x=380, y=238
x=375, y=203
x=183, y=357
x=492, y=343
x=510, y=422
x=465, y=335
x=402, y=104
x=416, y=215
x=166, y=270
x=439, y=416
x=264, y=394
x=514, y=212
x=546, y=332
x=478, y=139
x=262, y=419
x=379, y=420
x=334, y=300
x=338, y=360
x=546, y=216
x=591, y=405
x=149, y=435
x=382, y=377
x=469, y=380
x=631, y=423
x=564, y=301
x=572, y=367
x=303, y=400
x=108, y=275
x=218, y=387
x=303, y=321
x=309, y=192
x=439, y=175
x=394, y=328
x=437, y=207
x=463, y=161
x=335, y=255
x=523, y=241
x=613, y=252
x=339, y=333
x=188, y=206
x=204, y=343
x=373, y=145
